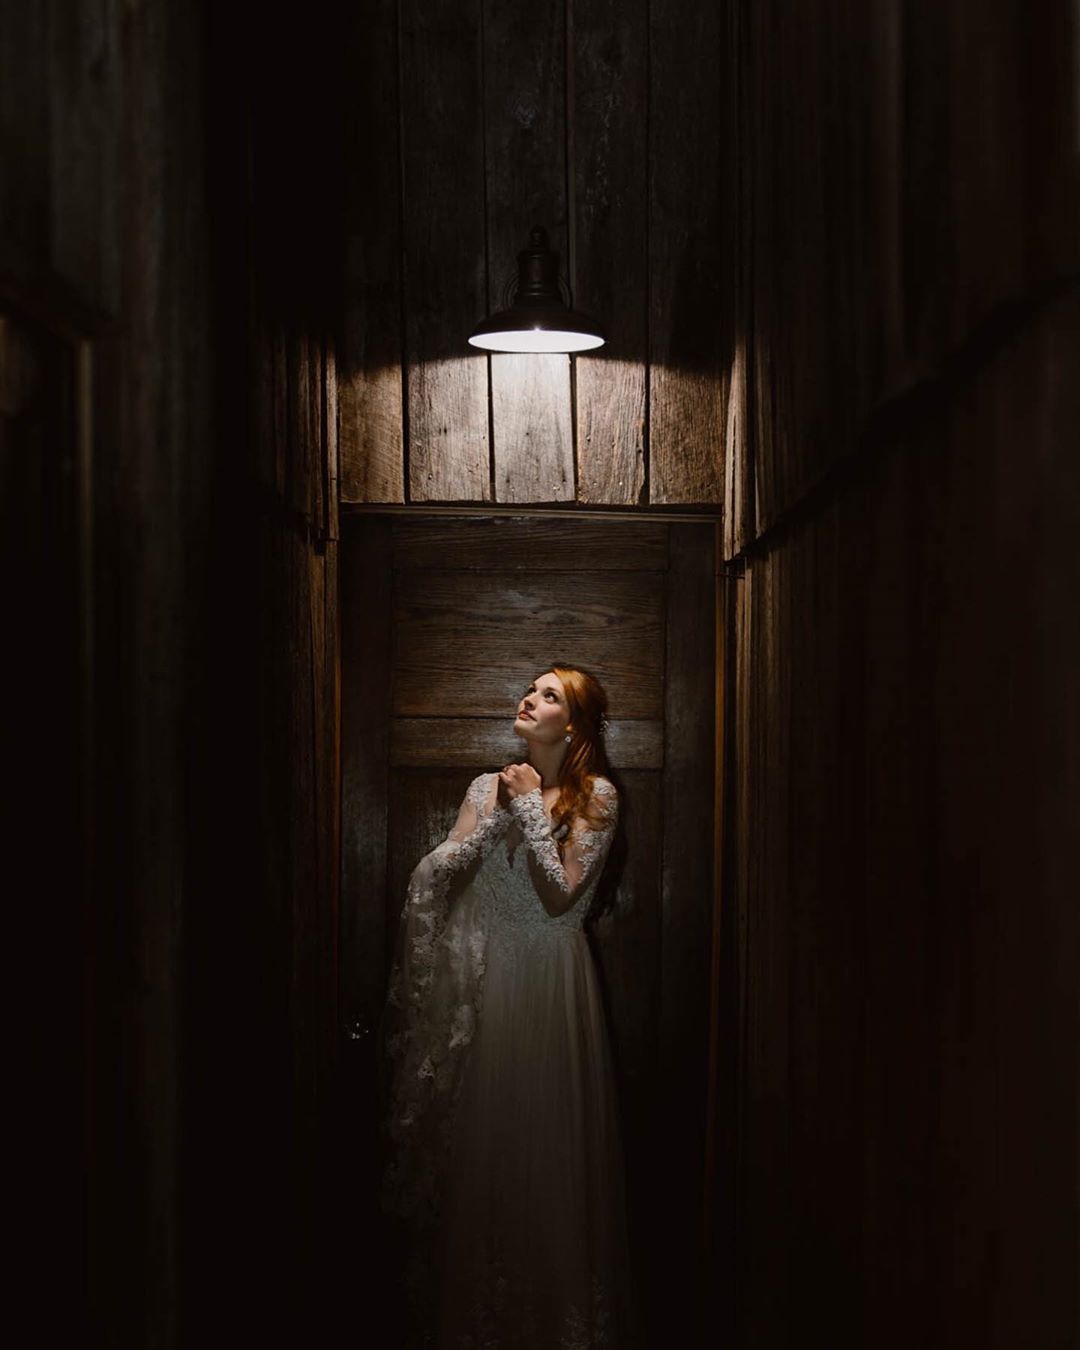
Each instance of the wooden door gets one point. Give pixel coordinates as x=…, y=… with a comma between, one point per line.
x=445, y=621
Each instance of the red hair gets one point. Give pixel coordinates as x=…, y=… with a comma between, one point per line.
x=586, y=755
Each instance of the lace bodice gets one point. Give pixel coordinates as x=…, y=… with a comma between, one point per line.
x=524, y=829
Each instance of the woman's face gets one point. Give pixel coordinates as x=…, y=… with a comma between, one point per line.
x=543, y=712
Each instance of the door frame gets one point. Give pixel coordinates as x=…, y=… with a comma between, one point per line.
x=357, y=1032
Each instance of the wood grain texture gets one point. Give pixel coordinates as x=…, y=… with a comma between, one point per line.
x=625, y=943
x=505, y=631
x=690, y=231
x=365, y=689
x=807, y=283
x=532, y=544
x=104, y=237
x=905, y=753
x=453, y=741
x=912, y=185
x=25, y=96
x=372, y=341
x=444, y=233
x=525, y=168
x=606, y=120
x=687, y=910
x=531, y=422
x=330, y=523
x=85, y=97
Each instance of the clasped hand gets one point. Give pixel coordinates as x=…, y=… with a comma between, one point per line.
x=517, y=779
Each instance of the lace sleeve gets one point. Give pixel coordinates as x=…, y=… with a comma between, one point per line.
x=565, y=878
x=432, y=1002
x=475, y=831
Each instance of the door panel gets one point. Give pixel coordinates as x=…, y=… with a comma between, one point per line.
x=445, y=622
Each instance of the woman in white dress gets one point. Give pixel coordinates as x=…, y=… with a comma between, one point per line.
x=505, y=1155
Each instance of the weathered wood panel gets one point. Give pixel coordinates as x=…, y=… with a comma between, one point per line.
x=366, y=680
x=530, y=543
x=513, y=116
x=448, y=622
x=104, y=240
x=443, y=230
x=691, y=253
x=910, y=961
x=532, y=427
x=525, y=185
x=371, y=345
x=686, y=923
x=467, y=740
x=626, y=943
x=912, y=183
x=25, y=184
x=85, y=99
x=805, y=267
x=606, y=147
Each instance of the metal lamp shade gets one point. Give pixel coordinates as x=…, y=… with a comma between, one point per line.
x=537, y=320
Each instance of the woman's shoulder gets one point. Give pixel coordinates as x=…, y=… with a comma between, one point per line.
x=605, y=798
x=479, y=790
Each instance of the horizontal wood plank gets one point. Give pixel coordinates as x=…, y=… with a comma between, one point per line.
x=478, y=741
x=512, y=628
x=505, y=543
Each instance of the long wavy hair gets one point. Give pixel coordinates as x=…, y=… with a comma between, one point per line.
x=586, y=756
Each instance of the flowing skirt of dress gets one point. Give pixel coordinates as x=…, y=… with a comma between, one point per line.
x=533, y=1230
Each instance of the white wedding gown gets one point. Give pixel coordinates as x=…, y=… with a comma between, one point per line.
x=506, y=1151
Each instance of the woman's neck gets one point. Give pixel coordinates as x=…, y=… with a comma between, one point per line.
x=547, y=760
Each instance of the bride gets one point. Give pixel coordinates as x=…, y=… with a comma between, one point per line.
x=504, y=1152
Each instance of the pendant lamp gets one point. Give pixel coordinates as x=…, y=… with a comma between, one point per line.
x=538, y=319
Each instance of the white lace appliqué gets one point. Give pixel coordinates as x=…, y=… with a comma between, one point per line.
x=585, y=848
x=432, y=1005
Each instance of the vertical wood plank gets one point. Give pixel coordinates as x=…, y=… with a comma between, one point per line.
x=825, y=827
x=691, y=238
x=84, y=102
x=607, y=111
x=626, y=943
x=533, y=432
x=745, y=783
x=1039, y=940
x=331, y=413
x=886, y=136
x=25, y=116
x=687, y=905
x=765, y=1303
x=369, y=359
x=366, y=597
x=443, y=227
x=525, y=159
x=898, y=1043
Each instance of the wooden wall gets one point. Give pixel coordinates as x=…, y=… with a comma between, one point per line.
x=904, y=820
x=179, y=1009
x=884, y=415
x=276, y=163
x=469, y=122
x=102, y=239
